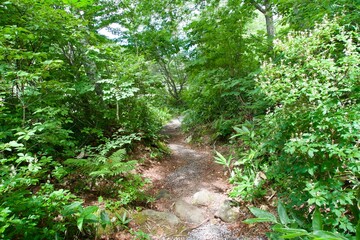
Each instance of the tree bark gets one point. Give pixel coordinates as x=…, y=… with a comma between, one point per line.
x=266, y=9
x=270, y=28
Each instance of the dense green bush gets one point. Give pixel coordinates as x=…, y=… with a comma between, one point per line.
x=64, y=88
x=287, y=227
x=28, y=205
x=309, y=140
x=106, y=170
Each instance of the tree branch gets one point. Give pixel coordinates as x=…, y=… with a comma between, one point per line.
x=258, y=6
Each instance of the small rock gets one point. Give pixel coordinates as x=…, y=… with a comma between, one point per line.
x=189, y=213
x=163, y=194
x=227, y=213
x=163, y=217
x=206, y=198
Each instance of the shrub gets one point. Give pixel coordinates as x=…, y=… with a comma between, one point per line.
x=108, y=171
x=28, y=207
x=309, y=139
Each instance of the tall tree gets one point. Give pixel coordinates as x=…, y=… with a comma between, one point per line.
x=154, y=29
x=266, y=7
x=223, y=56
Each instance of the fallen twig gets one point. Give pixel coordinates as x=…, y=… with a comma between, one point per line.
x=269, y=198
x=199, y=225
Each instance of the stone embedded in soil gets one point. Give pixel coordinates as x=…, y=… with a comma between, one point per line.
x=163, y=194
x=161, y=217
x=207, y=198
x=189, y=213
x=211, y=232
x=228, y=213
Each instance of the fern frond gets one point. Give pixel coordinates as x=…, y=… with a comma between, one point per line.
x=124, y=166
x=101, y=166
x=118, y=155
x=114, y=168
x=101, y=173
x=99, y=160
x=74, y=162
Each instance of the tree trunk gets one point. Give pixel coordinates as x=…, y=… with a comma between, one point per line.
x=270, y=28
x=267, y=9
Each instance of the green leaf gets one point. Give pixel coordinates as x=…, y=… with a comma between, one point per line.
x=15, y=144
x=220, y=159
x=256, y=220
x=311, y=153
x=88, y=215
x=290, y=232
x=317, y=220
x=325, y=235
x=80, y=222
x=104, y=218
x=91, y=218
x=295, y=234
x=284, y=218
x=89, y=210
x=297, y=220
x=72, y=208
x=261, y=214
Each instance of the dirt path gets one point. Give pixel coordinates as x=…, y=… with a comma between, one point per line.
x=186, y=171
x=190, y=191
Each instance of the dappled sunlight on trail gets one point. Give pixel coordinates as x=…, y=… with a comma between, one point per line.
x=189, y=185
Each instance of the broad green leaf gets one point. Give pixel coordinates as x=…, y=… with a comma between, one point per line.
x=298, y=221
x=290, y=233
x=284, y=218
x=238, y=130
x=72, y=208
x=245, y=130
x=80, y=222
x=257, y=220
x=15, y=144
x=91, y=218
x=294, y=234
x=104, y=219
x=259, y=213
x=317, y=220
x=88, y=214
x=311, y=153
x=89, y=210
x=325, y=235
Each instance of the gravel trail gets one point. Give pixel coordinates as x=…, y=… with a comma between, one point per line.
x=185, y=172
